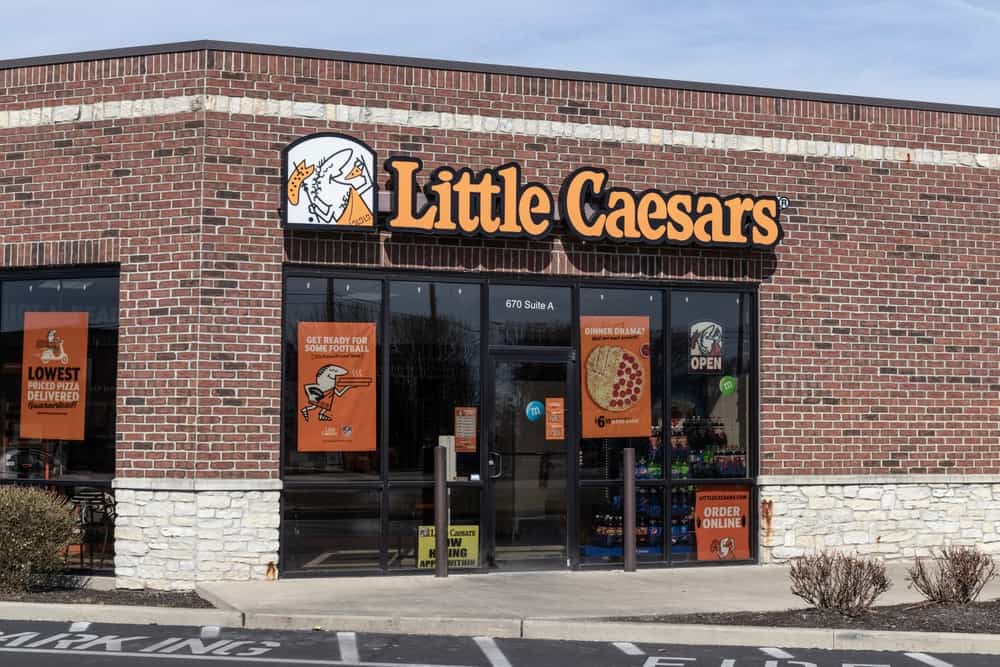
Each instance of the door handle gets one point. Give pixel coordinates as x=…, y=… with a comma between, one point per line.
x=495, y=474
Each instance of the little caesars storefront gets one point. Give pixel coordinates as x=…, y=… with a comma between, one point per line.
x=250, y=294
x=534, y=384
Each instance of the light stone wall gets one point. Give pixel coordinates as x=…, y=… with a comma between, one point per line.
x=170, y=534
x=411, y=118
x=891, y=518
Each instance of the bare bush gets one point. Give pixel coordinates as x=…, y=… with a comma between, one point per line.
x=957, y=575
x=848, y=585
x=35, y=528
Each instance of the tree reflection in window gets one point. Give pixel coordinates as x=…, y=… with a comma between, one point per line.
x=435, y=367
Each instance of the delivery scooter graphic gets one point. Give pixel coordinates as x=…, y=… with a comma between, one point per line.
x=330, y=384
x=53, y=350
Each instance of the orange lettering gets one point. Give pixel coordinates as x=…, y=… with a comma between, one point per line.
x=535, y=200
x=572, y=197
x=679, y=208
x=403, y=172
x=767, y=231
x=652, y=206
x=708, y=221
x=739, y=208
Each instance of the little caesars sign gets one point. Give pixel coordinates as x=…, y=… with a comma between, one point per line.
x=329, y=183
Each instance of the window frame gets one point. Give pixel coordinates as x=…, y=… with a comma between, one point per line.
x=70, y=273
x=747, y=290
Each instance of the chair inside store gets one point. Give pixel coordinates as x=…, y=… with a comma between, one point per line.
x=93, y=545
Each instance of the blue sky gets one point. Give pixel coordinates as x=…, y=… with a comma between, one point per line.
x=934, y=50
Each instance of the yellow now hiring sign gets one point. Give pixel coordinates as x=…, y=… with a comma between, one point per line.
x=463, y=546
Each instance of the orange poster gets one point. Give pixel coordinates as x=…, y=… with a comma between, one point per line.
x=615, y=377
x=337, y=396
x=465, y=430
x=555, y=418
x=54, y=376
x=722, y=523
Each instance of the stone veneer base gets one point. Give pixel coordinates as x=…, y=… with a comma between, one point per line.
x=891, y=517
x=171, y=534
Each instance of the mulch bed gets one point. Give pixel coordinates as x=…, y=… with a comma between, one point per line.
x=122, y=597
x=978, y=617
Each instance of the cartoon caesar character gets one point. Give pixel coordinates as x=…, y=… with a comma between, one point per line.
x=322, y=393
x=335, y=188
x=706, y=339
x=724, y=548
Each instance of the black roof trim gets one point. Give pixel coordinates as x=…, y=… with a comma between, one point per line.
x=462, y=66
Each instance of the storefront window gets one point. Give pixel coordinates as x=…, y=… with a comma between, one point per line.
x=327, y=300
x=434, y=361
x=710, y=523
x=411, y=515
x=602, y=522
x=59, y=351
x=710, y=385
x=530, y=315
x=601, y=458
x=683, y=403
x=331, y=529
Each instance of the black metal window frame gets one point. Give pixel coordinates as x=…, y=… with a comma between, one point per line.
x=385, y=484
x=63, y=273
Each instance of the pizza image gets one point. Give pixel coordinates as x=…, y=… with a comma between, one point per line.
x=615, y=378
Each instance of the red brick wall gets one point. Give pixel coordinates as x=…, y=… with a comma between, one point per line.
x=119, y=191
x=880, y=341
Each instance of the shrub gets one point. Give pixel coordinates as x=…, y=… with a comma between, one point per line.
x=957, y=576
x=36, y=526
x=837, y=582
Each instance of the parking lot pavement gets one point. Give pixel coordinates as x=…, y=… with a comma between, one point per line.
x=38, y=644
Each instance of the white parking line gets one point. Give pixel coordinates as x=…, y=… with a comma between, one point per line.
x=348, y=643
x=628, y=648
x=220, y=658
x=928, y=660
x=79, y=626
x=210, y=632
x=777, y=653
x=492, y=651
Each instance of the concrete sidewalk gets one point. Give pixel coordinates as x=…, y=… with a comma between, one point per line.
x=536, y=605
x=572, y=606
x=535, y=595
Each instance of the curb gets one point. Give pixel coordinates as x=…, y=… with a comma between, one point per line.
x=215, y=600
x=509, y=628
x=514, y=628
x=749, y=635
x=107, y=613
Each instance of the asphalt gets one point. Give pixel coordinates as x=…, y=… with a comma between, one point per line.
x=529, y=605
x=31, y=644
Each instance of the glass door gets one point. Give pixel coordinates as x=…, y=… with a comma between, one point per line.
x=527, y=462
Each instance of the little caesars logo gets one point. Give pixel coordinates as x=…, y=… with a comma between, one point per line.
x=328, y=182
x=705, y=348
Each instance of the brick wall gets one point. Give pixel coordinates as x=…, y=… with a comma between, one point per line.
x=121, y=190
x=880, y=339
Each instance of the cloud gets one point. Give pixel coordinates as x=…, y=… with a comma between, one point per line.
x=935, y=50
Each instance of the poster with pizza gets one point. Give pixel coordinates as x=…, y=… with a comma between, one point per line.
x=337, y=396
x=615, y=377
x=722, y=523
x=54, y=376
